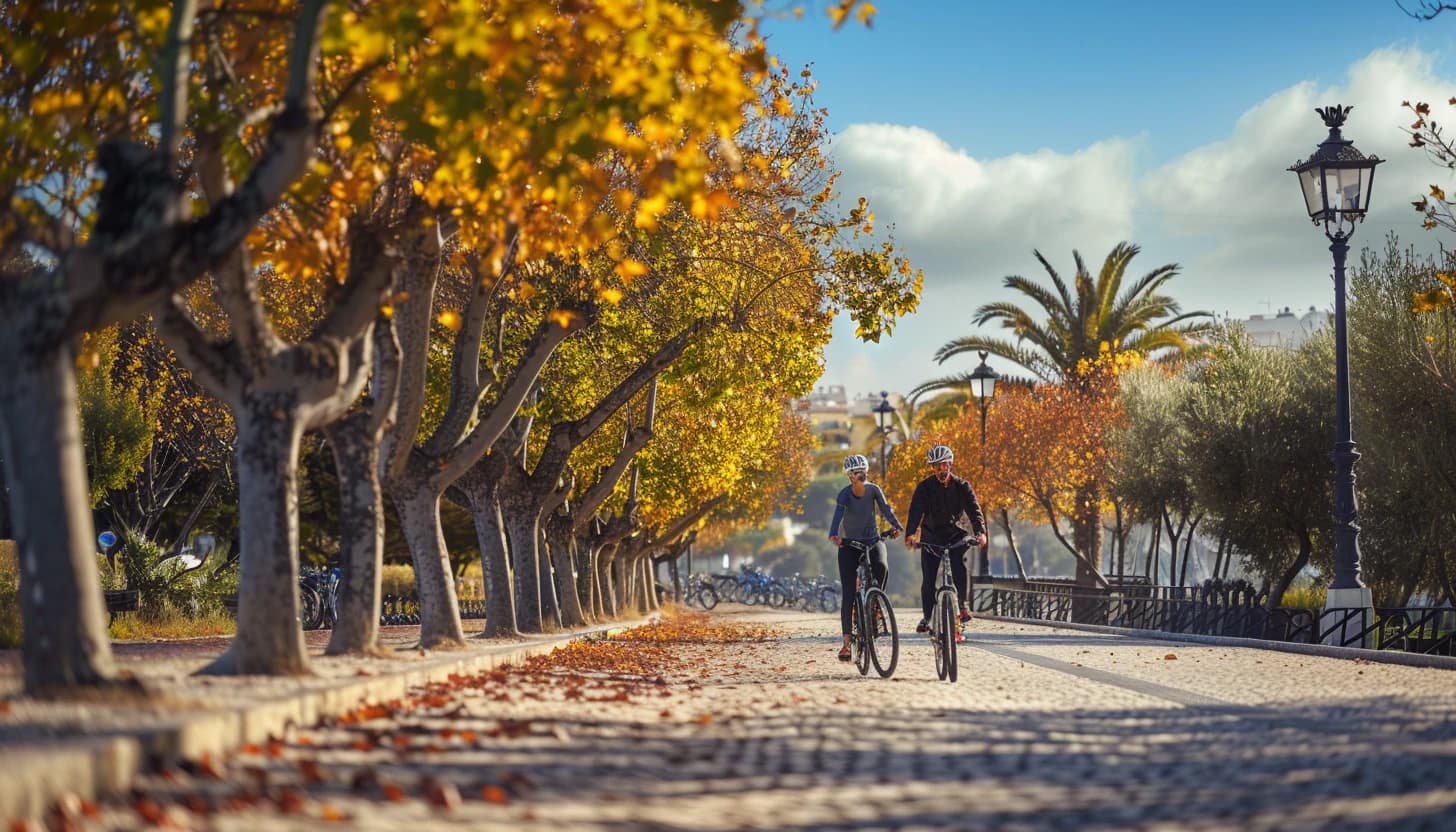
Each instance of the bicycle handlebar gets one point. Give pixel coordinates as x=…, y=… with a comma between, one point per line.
x=939, y=549
x=883, y=534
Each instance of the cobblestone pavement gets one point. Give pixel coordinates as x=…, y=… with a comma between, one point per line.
x=1046, y=729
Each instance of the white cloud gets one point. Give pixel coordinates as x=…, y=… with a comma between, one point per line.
x=968, y=223
x=1237, y=193
x=956, y=214
x=1228, y=212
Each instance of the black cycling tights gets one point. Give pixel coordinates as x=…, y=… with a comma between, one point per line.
x=848, y=565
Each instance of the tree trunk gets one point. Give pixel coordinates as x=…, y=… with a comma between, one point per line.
x=419, y=517
x=648, y=571
x=187, y=525
x=561, y=543
x=1276, y=593
x=1154, y=541
x=269, y=640
x=623, y=588
x=500, y=606
x=550, y=604
x=607, y=578
x=587, y=587
x=1174, y=535
x=1011, y=543
x=361, y=536
x=567, y=597
x=520, y=527
x=1087, y=536
x=61, y=604
x=1188, y=550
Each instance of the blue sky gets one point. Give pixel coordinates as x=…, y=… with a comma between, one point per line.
x=983, y=131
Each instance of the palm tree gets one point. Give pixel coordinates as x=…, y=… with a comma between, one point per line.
x=1101, y=316
x=1077, y=326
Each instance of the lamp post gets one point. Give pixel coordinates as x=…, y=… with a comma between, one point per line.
x=983, y=389
x=1336, y=182
x=884, y=411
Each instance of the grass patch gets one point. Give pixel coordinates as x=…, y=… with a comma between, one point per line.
x=1305, y=596
x=171, y=624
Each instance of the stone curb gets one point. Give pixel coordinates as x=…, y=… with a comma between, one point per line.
x=1325, y=650
x=92, y=767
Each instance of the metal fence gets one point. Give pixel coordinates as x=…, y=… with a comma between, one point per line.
x=1222, y=609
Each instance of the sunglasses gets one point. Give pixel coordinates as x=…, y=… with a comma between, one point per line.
x=858, y=475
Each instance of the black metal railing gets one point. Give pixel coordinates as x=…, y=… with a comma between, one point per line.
x=1222, y=609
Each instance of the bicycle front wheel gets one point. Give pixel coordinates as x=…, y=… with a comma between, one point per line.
x=948, y=626
x=884, y=633
x=708, y=597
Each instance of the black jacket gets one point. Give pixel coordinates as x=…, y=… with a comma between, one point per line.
x=938, y=507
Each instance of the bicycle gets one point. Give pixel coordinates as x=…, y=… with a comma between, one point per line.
x=873, y=629
x=318, y=592
x=700, y=593
x=944, y=621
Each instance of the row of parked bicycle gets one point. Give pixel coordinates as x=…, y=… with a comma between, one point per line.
x=318, y=592
x=751, y=585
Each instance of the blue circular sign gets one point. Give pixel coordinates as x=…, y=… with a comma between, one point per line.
x=107, y=539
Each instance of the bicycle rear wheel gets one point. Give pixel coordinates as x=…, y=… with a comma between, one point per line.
x=948, y=626
x=861, y=636
x=708, y=597
x=885, y=633
x=311, y=607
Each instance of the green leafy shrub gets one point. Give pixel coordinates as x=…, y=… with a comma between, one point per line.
x=166, y=587
x=9, y=595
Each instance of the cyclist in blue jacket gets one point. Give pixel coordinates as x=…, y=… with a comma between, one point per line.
x=854, y=519
x=939, y=501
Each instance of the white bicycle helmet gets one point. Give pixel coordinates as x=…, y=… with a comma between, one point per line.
x=939, y=454
x=856, y=462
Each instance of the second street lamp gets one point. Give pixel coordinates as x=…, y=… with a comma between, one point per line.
x=983, y=389
x=884, y=412
x=1336, y=182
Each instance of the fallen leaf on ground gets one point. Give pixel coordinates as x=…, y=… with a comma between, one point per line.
x=494, y=794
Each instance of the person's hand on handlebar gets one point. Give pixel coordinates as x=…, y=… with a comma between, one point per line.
x=892, y=533
x=981, y=539
x=836, y=540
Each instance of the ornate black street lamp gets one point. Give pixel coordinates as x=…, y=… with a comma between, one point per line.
x=884, y=412
x=983, y=389
x=1336, y=182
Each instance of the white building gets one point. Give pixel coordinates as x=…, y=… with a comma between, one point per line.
x=1285, y=329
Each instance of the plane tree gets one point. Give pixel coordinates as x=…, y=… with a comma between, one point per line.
x=108, y=83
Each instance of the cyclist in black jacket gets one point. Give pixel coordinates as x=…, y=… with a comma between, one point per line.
x=939, y=501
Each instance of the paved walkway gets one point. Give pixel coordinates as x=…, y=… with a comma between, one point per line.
x=1046, y=729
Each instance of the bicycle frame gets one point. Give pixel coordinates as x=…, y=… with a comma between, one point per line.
x=869, y=626
x=942, y=621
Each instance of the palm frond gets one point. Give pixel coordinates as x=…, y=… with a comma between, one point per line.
x=1109, y=280
x=1056, y=280
x=1039, y=365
